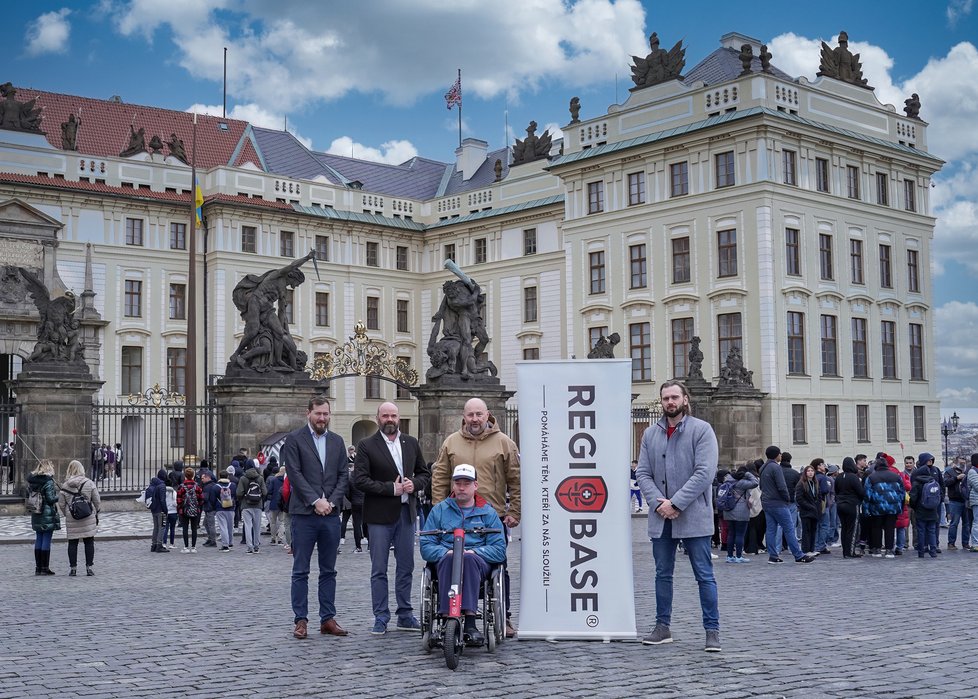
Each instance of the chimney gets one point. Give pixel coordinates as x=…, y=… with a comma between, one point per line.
x=734, y=40
x=470, y=156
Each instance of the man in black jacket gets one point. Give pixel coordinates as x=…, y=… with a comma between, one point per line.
x=390, y=471
x=791, y=478
x=775, y=500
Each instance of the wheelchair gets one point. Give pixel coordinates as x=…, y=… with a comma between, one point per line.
x=445, y=631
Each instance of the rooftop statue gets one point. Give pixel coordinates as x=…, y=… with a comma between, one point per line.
x=18, y=116
x=746, y=58
x=460, y=320
x=912, y=106
x=176, y=149
x=156, y=144
x=69, y=133
x=498, y=169
x=137, y=142
x=840, y=63
x=532, y=147
x=604, y=348
x=765, y=59
x=267, y=344
x=660, y=65
x=575, y=109
x=57, y=332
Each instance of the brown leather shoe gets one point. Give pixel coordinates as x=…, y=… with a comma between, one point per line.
x=510, y=629
x=332, y=628
x=301, y=629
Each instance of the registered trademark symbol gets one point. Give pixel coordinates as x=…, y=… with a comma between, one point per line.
x=591, y=621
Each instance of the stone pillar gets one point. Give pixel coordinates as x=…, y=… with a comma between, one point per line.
x=440, y=410
x=738, y=426
x=56, y=415
x=254, y=410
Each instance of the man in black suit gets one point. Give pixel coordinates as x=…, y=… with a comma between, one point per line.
x=315, y=461
x=390, y=470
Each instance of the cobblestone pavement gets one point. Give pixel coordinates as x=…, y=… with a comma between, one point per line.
x=219, y=624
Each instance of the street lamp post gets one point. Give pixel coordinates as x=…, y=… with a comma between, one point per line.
x=948, y=427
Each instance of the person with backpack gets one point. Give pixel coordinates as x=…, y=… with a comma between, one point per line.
x=885, y=493
x=42, y=500
x=733, y=503
x=109, y=462
x=926, y=495
x=224, y=500
x=284, y=508
x=273, y=485
x=849, y=494
x=172, y=513
x=154, y=497
x=190, y=498
x=252, y=494
x=971, y=478
x=80, y=503
x=208, y=505
x=809, y=503
x=956, y=486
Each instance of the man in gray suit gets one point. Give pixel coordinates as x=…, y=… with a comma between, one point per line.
x=316, y=464
x=676, y=467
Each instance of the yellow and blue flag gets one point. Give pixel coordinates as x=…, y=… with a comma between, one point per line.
x=198, y=200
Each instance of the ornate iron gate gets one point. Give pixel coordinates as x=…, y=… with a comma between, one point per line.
x=10, y=459
x=150, y=428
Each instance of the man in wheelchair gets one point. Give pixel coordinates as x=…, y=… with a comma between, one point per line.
x=464, y=509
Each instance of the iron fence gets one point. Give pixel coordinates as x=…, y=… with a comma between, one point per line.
x=151, y=437
x=11, y=453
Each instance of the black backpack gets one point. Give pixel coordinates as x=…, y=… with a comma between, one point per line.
x=78, y=507
x=253, y=494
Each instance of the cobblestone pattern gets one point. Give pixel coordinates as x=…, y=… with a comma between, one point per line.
x=219, y=624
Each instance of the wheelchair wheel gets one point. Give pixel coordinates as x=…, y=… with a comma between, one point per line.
x=498, y=607
x=427, y=617
x=452, y=642
x=488, y=616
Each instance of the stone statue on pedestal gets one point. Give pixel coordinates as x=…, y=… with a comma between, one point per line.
x=460, y=320
x=137, y=142
x=660, y=65
x=16, y=115
x=57, y=331
x=575, y=110
x=532, y=147
x=746, y=58
x=69, y=133
x=695, y=360
x=733, y=372
x=267, y=344
x=604, y=348
x=912, y=106
x=840, y=63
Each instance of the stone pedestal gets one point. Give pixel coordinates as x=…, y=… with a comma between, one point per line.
x=737, y=422
x=440, y=410
x=56, y=415
x=254, y=410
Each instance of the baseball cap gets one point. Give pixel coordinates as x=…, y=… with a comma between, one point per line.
x=466, y=471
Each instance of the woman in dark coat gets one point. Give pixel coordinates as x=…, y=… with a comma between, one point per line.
x=849, y=494
x=809, y=507
x=45, y=522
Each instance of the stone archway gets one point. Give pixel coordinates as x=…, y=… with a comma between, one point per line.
x=361, y=430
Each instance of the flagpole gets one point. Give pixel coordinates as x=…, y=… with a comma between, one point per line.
x=190, y=417
x=460, y=108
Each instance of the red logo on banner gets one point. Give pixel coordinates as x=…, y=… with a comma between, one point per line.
x=582, y=494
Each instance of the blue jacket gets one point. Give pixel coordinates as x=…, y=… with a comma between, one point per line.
x=885, y=492
x=274, y=486
x=921, y=476
x=447, y=515
x=211, y=496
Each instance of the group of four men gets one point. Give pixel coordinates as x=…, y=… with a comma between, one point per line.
x=475, y=480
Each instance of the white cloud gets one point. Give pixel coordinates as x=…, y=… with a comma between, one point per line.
x=392, y=152
x=253, y=113
x=956, y=336
x=49, y=33
x=322, y=52
x=956, y=9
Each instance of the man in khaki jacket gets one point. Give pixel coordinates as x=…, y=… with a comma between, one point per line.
x=497, y=463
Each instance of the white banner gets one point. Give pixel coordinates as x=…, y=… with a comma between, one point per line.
x=576, y=539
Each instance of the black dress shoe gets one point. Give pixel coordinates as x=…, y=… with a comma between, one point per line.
x=473, y=637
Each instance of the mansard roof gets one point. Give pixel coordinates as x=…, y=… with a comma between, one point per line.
x=483, y=177
x=723, y=65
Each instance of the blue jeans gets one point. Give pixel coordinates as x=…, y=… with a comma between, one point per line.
x=779, y=532
x=901, y=539
x=780, y=516
x=926, y=536
x=955, y=511
x=823, y=531
x=401, y=533
x=474, y=571
x=974, y=525
x=308, y=532
x=698, y=549
x=735, y=538
x=42, y=540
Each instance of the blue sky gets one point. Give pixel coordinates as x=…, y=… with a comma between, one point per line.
x=368, y=78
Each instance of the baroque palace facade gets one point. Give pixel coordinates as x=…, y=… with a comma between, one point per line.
x=786, y=217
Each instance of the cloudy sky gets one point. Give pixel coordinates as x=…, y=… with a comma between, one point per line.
x=368, y=78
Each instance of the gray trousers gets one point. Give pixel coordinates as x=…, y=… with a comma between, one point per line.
x=251, y=519
x=158, y=519
x=210, y=526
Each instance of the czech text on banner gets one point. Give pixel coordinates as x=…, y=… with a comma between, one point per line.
x=576, y=560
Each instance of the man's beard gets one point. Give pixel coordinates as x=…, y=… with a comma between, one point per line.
x=389, y=428
x=675, y=411
x=476, y=430
x=320, y=430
